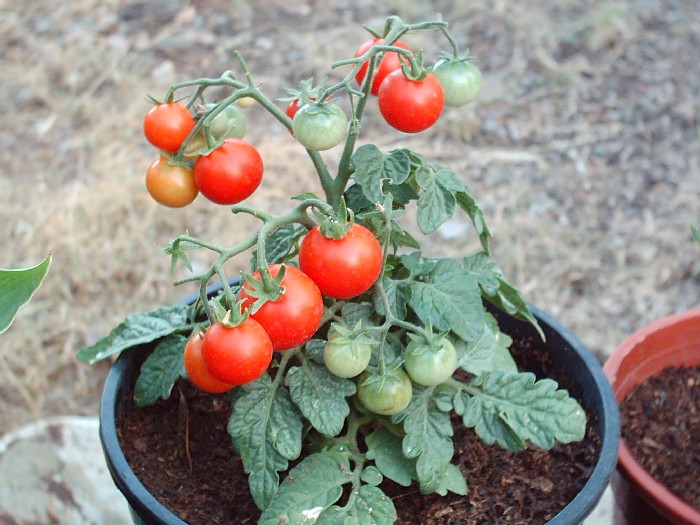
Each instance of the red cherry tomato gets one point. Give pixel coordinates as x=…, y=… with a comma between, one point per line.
x=239, y=354
x=293, y=318
x=197, y=371
x=167, y=125
x=342, y=268
x=389, y=62
x=410, y=105
x=230, y=173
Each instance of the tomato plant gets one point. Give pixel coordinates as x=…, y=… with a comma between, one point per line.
x=167, y=125
x=389, y=62
x=366, y=323
x=342, y=268
x=460, y=80
x=171, y=185
x=292, y=319
x=230, y=173
x=385, y=394
x=410, y=105
x=430, y=364
x=197, y=371
x=320, y=127
x=237, y=354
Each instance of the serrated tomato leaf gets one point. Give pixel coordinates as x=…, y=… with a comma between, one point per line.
x=437, y=199
x=320, y=396
x=266, y=428
x=138, y=329
x=385, y=449
x=311, y=487
x=160, y=370
x=17, y=286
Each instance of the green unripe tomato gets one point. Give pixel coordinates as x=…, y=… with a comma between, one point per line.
x=230, y=123
x=346, y=358
x=430, y=365
x=460, y=80
x=385, y=395
x=319, y=128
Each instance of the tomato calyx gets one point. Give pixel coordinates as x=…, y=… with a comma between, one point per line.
x=337, y=225
x=415, y=70
x=267, y=288
x=230, y=318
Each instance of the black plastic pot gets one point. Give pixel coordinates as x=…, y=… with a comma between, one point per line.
x=567, y=353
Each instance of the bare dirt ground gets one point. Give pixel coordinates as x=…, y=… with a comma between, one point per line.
x=583, y=151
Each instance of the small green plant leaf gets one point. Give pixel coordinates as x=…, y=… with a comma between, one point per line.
x=17, y=286
x=384, y=448
x=374, y=169
x=310, y=488
x=453, y=481
x=428, y=438
x=488, y=353
x=437, y=200
x=320, y=396
x=371, y=476
x=266, y=428
x=367, y=506
x=160, y=370
x=398, y=294
x=138, y=329
x=448, y=298
x=509, y=408
x=695, y=232
x=494, y=286
x=468, y=204
x=281, y=246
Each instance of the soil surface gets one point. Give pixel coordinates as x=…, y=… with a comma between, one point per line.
x=661, y=424
x=203, y=481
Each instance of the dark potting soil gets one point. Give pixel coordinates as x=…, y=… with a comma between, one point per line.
x=661, y=426
x=203, y=481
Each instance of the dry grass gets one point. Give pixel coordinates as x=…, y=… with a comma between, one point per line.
x=583, y=151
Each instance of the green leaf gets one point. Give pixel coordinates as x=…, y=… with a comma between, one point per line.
x=398, y=294
x=138, y=329
x=373, y=169
x=266, y=428
x=536, y=411
x=372, y=476
x=17, y=286
x=453, y=481
x=367, y=506
x=281, y=246
x=468, y=204
x=489, y=353
x=499, y=292
x=384, y=448
x=311, y=487
x=320, y=396
x=160, y=370
x=448, y=298
x=695, y=231
x=428, y=438
x=436, y=203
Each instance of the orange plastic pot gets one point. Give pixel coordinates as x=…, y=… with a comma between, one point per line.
x=672, y=341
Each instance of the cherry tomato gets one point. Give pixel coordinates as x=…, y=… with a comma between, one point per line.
x=341, y=268
x=230, y=173
x=389, y=62
x=319, y=128
x=230, y=123
x=410, y=105
x=346, y=358
x=460, y=81
x=292, y=319
x=167, y=125
x=197, y=371
x=239, y=354
x=171, y=185
x=430, y=365
x=385, y=395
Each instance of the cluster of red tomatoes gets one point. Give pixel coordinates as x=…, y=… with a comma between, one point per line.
x=226, y=175
x=226, y=356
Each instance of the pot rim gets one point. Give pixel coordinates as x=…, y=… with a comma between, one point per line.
x=145, y=504
x=658, y=495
